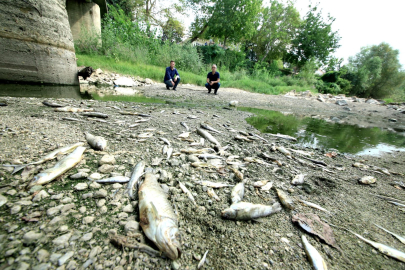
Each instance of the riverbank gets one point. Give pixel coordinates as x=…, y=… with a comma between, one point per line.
x=76, y=225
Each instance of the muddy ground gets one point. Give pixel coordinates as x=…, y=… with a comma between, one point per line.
x=86, y=219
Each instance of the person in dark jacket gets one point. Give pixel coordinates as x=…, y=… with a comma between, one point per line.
x=213, y=80
x=172, y=77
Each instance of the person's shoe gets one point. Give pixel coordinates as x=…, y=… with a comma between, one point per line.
x=174, y=89
x=209, y=91
x=215, y=93
x=167, y=87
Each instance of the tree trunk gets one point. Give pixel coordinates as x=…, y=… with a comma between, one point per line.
x=199, y=34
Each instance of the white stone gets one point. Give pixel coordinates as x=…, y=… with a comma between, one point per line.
x=107, y=159
x=106, y=168
x=62, y=240
x=94, y=252
x=233, y=103
x=102, y=193
x=31, y=237
x=42, y=255
x=95, y=176
x=128, y=208
x=131, y=226
x=101, y=203
x=125, y=82
x=87, y=236
x=95, y=185
x=15, y=209
x=64, y=258
x=81, y=186
x=103, y=209
x=88, y=219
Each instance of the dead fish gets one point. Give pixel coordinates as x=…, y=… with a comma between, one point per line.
x=267, y=186
x=184, y=125
x=95, y=114
x=98, y=120
x=260, y=183
x=213, y=184
x=367, y=180
x=298, y=179
x=188, y=193
x=72, y=109
x=212, y=194
x=51, y=104
x=258, y=137
x=208, y=136
x=304, y=153
x=248, y=211
x=192, y=117
x=313, y=206
x=208, y=156
x=244, y=133
x=400, y=238
x=169, y=153
x=242, y=138
x=207, y=127
x=282, y=136
x=145, y=135
x=134, y=125
x=397, y=203
x=96, y=142
x=237, y=192
x=79, y=175
x=196, y=151
x=255, y=160
x=60, y=167
x=202, y=165
x=313, y=255
x=157, y=218
x=237, y=173
x=149, y=129
x=381, y=170
x=284, y=151
x=164, y=149
x=166, y=141
x=389, y=251
x=285, y=200
x=141, y=121
x=360, y=165
x=184, y=135
x=50, y=156
x=114, y=179
x=134, y=180
x=201, y=263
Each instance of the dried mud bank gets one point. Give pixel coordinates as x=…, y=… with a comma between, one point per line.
x=68, y=223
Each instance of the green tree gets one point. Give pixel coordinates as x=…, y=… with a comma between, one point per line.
x=375, y=71
x=315, y=39
x=173, y=30
x=229, y=20
x=128, y=6
x=278, y=27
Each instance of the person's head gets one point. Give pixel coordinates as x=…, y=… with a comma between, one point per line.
x=214, y=68
x=172, y=64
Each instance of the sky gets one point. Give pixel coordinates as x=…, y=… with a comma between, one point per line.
x=360, y=23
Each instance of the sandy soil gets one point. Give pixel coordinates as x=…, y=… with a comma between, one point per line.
x=29, y=130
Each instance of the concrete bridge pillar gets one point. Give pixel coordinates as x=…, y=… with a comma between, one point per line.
x=36, y=44
x=85, y=15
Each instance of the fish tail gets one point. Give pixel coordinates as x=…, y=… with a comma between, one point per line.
x=17, y=168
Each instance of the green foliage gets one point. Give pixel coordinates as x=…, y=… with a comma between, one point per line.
x=278, y=26
x=315, y=39
x=230, y=59
x=173, y=31
x=375, y=71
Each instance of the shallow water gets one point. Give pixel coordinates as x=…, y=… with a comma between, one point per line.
x=46, y=91
x=317, y=133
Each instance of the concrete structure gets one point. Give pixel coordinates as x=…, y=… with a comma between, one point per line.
x=36, y=44
x=85, y=15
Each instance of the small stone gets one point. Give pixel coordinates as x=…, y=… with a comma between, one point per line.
x=101, y=203
x=107, y=159
x=42, y=194
x=87, y=195
x=42, y=266
x=123, y=215
x=233, y=103
x=95, y=185
x=192, y=158
x=393, y=120
x=63, y=228
x=42, y=255
x=57, y=197
x=62, y=240
x=11, y=192
x=87, y=237
x=31, y=237
x=88, y=219
x=341, y=102
x=82, y=209
x=81, y=186
x=174, y=162
x=106, y=168
x=64, y=258
x=72, y=265
x=128, y=208
x=66, y=200
x=57, y=220
x=15, y=209
x=23, y=266
x=95, y=176
x=165, y=188
x=54, y=210
x=175, y=265
x=116, y=186
x=131, y=226
x=79, y=175
x=34, y=189
x=94, y=252
x=102, y=193
x=103, y=209
x=67, y=207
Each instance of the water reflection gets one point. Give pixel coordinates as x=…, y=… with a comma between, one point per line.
x=42, y=91
x=318, y=133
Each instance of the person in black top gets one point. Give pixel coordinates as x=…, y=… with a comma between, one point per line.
x=172, y=77
x=213, y=80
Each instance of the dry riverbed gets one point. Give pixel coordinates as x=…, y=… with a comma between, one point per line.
x=57, y=226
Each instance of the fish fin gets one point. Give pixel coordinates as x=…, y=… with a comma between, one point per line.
x=154, y=211
x=17, y=168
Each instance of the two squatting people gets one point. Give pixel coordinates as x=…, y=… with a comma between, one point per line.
x=172, y=78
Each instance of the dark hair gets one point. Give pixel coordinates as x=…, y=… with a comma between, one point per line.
x=172, y=61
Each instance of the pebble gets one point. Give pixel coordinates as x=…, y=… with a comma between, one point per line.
x=31, y=237
x=55, y=257
x=54, y=210
x=192, y=158
x=107, y=159
x=94, y=252
x=132, y=226
x=63, y=228
x=123, y=215
x=66, y=200
x=62, y=240
x=23, y=266
x=35, y=188
x=116, y=186
x=95, y=185
x=103, y=209
x=42, y=266
x=82, y=209
x=42, y=255
x=81, y=186
x=57, y=197
x=95, y=176
x=101, y=203
x=88, y=219
x=64, y=258
x=11, y=192
x=15, y=209
x=72, y=265
x=87, y=236
x=79, y=175
x=106, y=168
x=102, y=193
x=175, y=265
x=128, y=208
x=87, y=195
x=67, y=207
